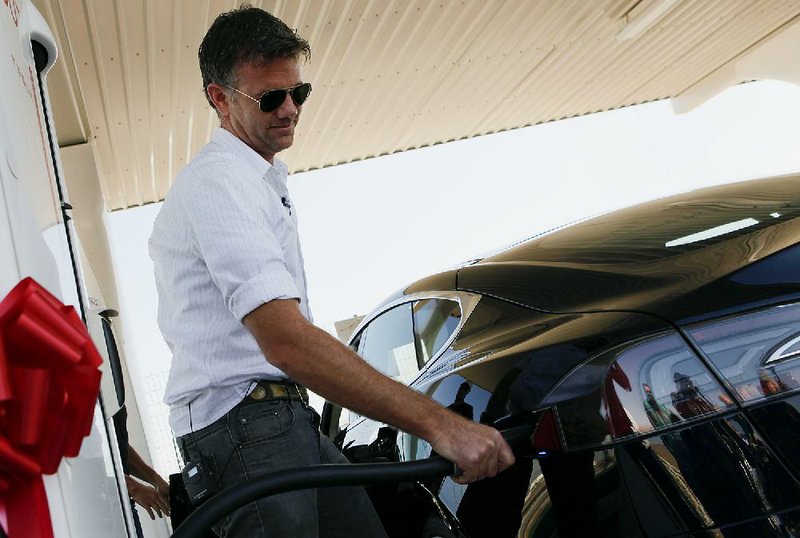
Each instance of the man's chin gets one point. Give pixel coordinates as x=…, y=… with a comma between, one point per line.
x=285, y=142
x=281, y=143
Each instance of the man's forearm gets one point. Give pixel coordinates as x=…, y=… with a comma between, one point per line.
x=315, y=359
x=141, y=470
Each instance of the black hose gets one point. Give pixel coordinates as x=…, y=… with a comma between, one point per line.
x=516, y=433
x=313, y=476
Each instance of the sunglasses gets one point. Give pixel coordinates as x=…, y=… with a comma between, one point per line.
x=272, y=99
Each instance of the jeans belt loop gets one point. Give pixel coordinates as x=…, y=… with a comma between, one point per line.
x=302, y=393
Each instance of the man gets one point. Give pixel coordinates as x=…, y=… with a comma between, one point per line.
x=234, y=311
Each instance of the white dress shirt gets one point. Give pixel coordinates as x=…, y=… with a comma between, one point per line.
x=224, y=243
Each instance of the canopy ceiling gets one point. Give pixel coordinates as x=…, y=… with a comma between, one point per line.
x=388, y=75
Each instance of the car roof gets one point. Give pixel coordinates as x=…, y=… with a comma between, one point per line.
x=650, y=257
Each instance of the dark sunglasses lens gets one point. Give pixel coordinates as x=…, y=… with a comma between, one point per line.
x=272, y=100
x=301, y=93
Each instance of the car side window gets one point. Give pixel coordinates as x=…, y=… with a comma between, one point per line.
x=757, y=353
x=645, y=385
x=387, y=343
x=435, y=320
x=401, y=340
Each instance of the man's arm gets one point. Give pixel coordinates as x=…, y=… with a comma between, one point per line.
x=155, y=498
x=139, y=468
x=315, y=359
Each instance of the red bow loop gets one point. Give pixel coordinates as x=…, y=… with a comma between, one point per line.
x=49, y=384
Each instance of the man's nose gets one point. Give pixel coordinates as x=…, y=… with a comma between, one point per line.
x=287, y=109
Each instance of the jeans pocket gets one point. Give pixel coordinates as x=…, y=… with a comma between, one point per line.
x=260, y=423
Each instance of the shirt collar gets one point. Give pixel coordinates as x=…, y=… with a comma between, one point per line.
x=230, y=142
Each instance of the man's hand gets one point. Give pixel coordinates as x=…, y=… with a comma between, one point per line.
x=148, y=497
x=477, y=450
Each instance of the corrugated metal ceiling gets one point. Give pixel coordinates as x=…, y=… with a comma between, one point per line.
x=388, y=75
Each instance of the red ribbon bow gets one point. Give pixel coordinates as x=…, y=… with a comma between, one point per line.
x=49, y=382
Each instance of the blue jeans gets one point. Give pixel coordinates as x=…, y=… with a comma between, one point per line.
x=259, y=437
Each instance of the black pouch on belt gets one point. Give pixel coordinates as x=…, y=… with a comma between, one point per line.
x=200, y=481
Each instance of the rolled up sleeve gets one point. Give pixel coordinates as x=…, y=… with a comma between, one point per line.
x=232, y=220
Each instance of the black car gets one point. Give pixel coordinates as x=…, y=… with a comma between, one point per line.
x=652, y=353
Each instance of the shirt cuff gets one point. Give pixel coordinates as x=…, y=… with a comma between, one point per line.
x=262, y=289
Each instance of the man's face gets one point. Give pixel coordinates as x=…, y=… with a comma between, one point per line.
x=266, y=132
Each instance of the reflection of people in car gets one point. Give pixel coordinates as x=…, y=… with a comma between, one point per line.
x=715, y=454
x=780, y=420
x=460, y=405
x=658, y=414
x=492, y=508
x=687, y=400
x=725, y=399
x=618, y=420
x=771, y=384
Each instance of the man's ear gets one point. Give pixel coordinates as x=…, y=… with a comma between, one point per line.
x=219, y=97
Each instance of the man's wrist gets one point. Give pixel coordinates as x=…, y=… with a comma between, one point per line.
x=132, y=484
x=160, y=484
x=434, y=423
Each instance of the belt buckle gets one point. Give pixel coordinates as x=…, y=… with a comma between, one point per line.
x=279, y=391
x=258, y=393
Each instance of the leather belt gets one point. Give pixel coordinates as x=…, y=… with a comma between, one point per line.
x=278, y=390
